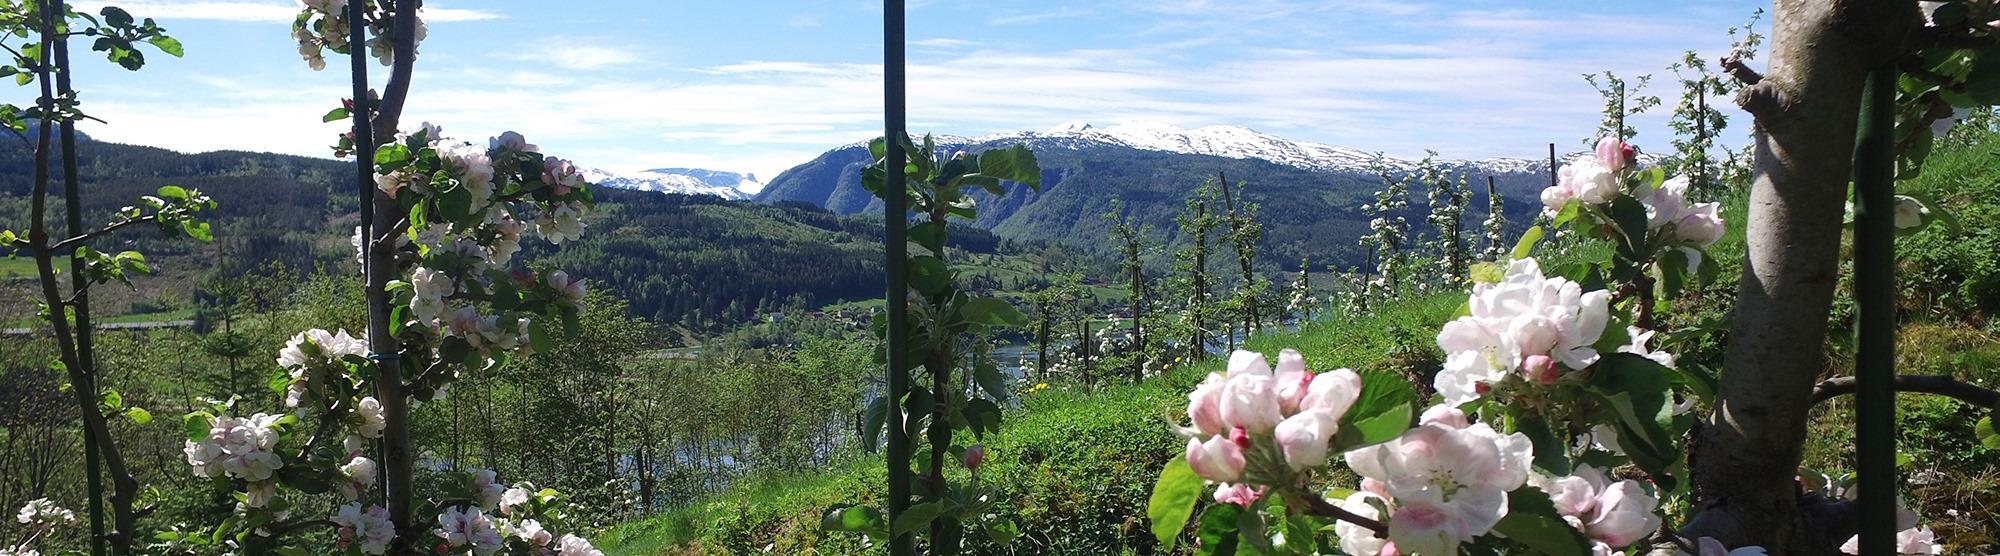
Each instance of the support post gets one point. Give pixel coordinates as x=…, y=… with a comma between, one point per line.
x=1874, y=295
x=895, y=222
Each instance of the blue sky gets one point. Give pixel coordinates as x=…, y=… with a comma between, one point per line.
x=761, y=85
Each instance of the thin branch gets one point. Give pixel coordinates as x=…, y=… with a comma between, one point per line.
x=1924, y=384
x=1320, y=507
x=1743, y=74
x=100, y=232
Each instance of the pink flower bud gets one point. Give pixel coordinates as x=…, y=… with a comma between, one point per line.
x=1205, y=406
x=1614, y=153
x=1218, y=459
x=1292, y=380
x=1541, y=369
x=1238, y=493
x=1304, y=438
x=974, y=454
x=1240, y=437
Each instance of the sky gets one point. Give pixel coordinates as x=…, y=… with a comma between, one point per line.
x=762, y=85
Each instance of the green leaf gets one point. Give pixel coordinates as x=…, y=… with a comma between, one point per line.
x=167, y=44
x=1532, y=520
x=1014, y=163
x=928, y=234
x=917, y=517
x=1003, y=531
x=872, y=422
x=992, y=312
x=1983, y=82
x=1526, y=246
x=111, y=399
x=1551, y=453
x=928, y=275
x=1217, y=531
x=991, y=380
x=456, y=202
x=1630, y=215
x=195, y=425
x=1173, y=500
x=1988, y=437
x=1382, y=412
x=173, y=193
x=116, y=17
x=982, y=415
x=855, y=519
x=139, y=415
x=1636, y=388
x=334, y=115
x=539, y=338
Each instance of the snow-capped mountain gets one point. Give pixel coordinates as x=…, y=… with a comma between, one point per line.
x=1233, y=142
x=692, y=181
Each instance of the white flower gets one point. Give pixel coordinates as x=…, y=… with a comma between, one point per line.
x=1640, y=337
x=372, y=421
x=1205, y=406
x=528, y=530
x=1333, y=392
x=41, y=513
x=1304, y=438
x=258, y=494
x=431, y=288
x=1355, y=539
x=238, y=448
x=1447, y=482
x=1249, y=401
x=571, y=289
x=1614, y=513
x=561, y=223
x=473, y=168
x=470, y=526
x=1910, y=213
x=513, y=142
x=1584, y=179
x=512, y=498
x=1524, y=314
x=360, y=474
x=486, y=490
x=371, y=529
x=572, y=545
x=1913, y=540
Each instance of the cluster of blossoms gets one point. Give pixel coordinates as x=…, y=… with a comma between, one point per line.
x=1600, y=178
x=1441, y=484
x=39, y=517
x=1611, y=513
x=1256, y=427
x=313, y=351
x=1525, y=325
x=240, y=448
x=370, y=530
x=322, y=25
x=41, y=513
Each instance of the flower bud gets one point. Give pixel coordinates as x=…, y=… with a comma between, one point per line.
x=1238, y=493
x=1333, y=392
x=1304, y=438
x=974, y=455
x=1218, y=459
x=1292, y=380
x=1541, y=369
x=1205, y=406
x=1250, y=402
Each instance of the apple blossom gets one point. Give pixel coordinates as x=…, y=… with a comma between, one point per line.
x=974, y=455
x=1205, y=406
x=1583, y=179
x=1614, y=513
x=1250, y=402
x=486, y=489
x=1292, y=379
x=469, y=527
x=41, y=513
x=1910, y=213
x=360, y=474
x=1240, y=494
x=1218, y=459
x=1523, y=315
x=1242, y=362
x=1358, y=540
x=528, y=530
x=371, y=529
x=1333, y=392
x=562, y=223
x=373, y=423
x=511, y=142
x=514, y=497
x=1305, y=437
x=1446, y=482
x=258, y=494
x=1641, y=337
x=237, y=447
x=572, y=545
x=431, y=287
x=572, y=290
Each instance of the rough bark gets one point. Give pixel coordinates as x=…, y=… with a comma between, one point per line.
x=1747, y=454
x=398, y=454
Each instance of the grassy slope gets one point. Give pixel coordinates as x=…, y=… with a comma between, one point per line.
x=1078, y=465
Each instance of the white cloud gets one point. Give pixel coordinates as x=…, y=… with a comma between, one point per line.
x=578, y=55
x=802, y=21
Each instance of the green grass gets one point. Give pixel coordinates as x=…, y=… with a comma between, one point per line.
x=1077, y=464
x=13, y=267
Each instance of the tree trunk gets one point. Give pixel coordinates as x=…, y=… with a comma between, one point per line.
x=1746, y=456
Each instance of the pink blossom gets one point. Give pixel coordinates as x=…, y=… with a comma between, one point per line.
x=1205, y=406
x=1541, y=369
x=1249, y=400
x=1333, y=392
x=1238, y=493
x=1217, y=459
x=1304, y=438
x=1292, y=380
x=1614, y=153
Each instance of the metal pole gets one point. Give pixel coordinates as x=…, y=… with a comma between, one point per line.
x=895, y=222
x=1552, y=164
x=1874, y=295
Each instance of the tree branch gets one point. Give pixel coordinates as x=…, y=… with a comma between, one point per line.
x=1743, y=74
x=100, y=232
x=1924, y=384
x=1320, y=507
